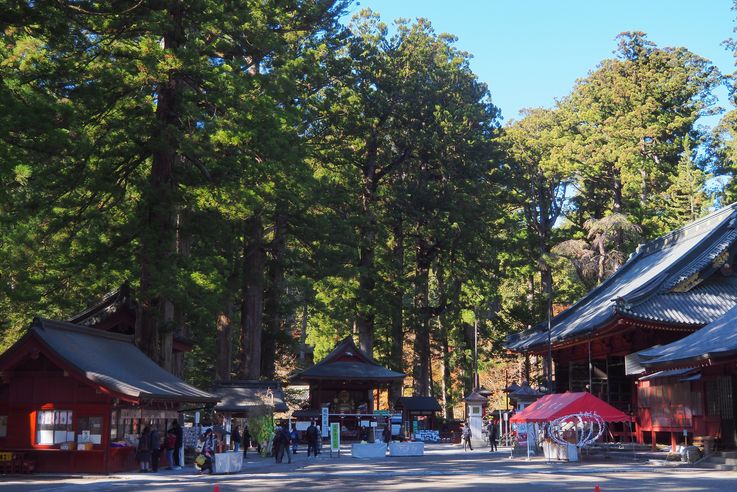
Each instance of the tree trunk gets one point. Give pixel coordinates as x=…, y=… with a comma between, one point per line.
x=396, y=349
x=158, y=240
x=181, y=328
x=303, y=331
x=617, y=186
x=366, y=270
x=273, y=303
x=254, y=261
x=601, y=269
x=223, y=356
x=447, y=372
x=421, y=368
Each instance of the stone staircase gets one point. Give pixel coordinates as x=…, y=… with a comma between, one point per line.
x=724, y=460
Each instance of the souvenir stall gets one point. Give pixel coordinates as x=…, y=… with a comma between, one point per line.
x=345, y=388
x=569, y=421
x=240, y=399
x=76, y=398
x=418, y=416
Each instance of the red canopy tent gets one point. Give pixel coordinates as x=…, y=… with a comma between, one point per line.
x=551, y=407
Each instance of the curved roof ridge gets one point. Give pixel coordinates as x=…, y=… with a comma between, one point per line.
x=41, y=324
x=694, y=227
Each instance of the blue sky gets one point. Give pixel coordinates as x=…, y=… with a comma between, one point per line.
x=531, y=52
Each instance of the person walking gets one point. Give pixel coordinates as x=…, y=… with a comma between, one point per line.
x=311, y=436
x=143, y=452
x=287, y=443
x=246, y=440
x=155, y=449
x=277, y=445
x=466, y=433
x=493, y=435
x=386, y=434
x=236, y=438
x=170, y=443
x=294, y=436
x=176, y=429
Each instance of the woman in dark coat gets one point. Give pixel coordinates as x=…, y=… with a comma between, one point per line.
x=236, y=438
x=143, y=453
x=246, y=441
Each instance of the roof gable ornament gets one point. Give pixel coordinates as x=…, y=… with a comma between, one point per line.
x=347, y=361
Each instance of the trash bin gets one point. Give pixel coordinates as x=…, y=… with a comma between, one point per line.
x=708, y=445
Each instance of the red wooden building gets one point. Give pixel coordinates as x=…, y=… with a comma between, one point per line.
x=691, y=383
x=668, y=289
x=74, y=398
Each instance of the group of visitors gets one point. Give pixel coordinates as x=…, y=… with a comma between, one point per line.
x=491, y=430
x=242, y=439
x=286, y=441
x=149, y=448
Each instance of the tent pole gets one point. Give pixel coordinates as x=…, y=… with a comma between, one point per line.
x=632, y=441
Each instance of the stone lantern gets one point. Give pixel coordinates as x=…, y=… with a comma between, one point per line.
x=475, y=410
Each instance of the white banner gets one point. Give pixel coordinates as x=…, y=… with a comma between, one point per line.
x=325, y=424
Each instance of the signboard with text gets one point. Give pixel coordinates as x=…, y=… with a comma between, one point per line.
x=334, y=437
x=324, y=427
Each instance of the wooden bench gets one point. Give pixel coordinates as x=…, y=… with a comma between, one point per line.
x=15, y=462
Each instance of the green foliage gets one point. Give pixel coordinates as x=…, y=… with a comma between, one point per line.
x=630, y=120
x=262, y=428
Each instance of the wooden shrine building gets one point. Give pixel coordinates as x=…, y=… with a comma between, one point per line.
x=667, y=289
x=347, y=382
x=74, y=399
x=689, y=384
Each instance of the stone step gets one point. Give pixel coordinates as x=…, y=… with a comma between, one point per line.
x=720, y=460
x=725, y=467
x=728, y=454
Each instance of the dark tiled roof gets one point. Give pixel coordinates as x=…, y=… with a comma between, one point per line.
x=310, y=413
x=671, y=373
x=242, y=396
x=645, y=284
x=525, y=390
x=112, y=361
x=419, y=403
x=348, y=362
x=474, y=396
x=699, y=306
x=350, y=370
x=713, y=342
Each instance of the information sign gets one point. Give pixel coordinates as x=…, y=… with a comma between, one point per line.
x=325, y=425
x=335, y=437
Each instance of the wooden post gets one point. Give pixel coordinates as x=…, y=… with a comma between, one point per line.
x=652, y=435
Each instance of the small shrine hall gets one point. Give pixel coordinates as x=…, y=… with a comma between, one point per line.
x=349, y=383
